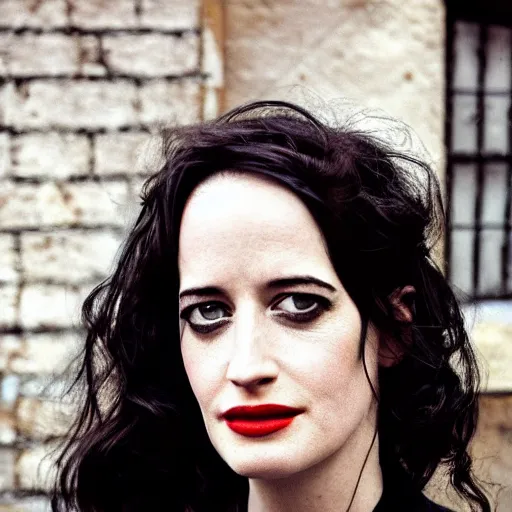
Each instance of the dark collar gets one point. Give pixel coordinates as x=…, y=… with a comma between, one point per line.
x=400, y=495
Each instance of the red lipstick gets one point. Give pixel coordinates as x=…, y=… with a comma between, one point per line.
x=260, y=420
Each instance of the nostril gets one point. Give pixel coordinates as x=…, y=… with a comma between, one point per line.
x=253, y=383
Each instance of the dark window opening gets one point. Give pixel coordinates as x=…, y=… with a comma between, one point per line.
x=479, y=150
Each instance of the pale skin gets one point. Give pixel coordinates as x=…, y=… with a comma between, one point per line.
x=238, y=234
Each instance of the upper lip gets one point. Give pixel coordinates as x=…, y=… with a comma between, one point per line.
x=261, y=411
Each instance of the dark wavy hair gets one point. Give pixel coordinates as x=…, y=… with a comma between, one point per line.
x=139, y=442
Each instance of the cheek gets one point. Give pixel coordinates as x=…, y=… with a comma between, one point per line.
x=202, y=368
x=331, y=369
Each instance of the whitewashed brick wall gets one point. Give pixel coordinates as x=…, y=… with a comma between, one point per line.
x=83, y=84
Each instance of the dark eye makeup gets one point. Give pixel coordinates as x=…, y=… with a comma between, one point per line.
x=308, y=308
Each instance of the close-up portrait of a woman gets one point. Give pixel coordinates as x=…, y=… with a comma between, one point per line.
x=276, y=334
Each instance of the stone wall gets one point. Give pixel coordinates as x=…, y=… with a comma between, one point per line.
x=82, y=86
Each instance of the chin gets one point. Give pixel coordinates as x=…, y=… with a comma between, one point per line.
x=262, y=470
x=266, y=462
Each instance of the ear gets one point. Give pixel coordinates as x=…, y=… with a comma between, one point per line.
x=401, y=301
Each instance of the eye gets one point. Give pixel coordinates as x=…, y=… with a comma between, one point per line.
x=303, y=307
x=204, y=317
x=299, y=303
x=298, y=307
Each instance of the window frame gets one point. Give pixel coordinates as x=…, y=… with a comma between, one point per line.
x=496, y=14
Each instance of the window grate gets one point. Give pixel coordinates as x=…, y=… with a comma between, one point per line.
x=479, y=157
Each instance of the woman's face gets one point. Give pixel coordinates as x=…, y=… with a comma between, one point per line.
x=269, y=322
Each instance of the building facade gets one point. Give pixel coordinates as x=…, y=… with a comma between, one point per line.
x=85, y=85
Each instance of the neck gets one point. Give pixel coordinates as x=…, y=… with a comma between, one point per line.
x=327, y=486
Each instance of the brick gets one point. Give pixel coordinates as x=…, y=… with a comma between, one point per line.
x=5, y=98
x=45, y=387
x=50, y=155
x=30, y=205
x=5, y=157
x=8, y=260
x=38, y=353
x=7, y=428
x=9, y=302
x=41, y=419
x=72, y=256
x=10, y=390
x=170, y=102
x=90, y=59
x=25, y=504
x=175, y=15
x=119, y=153
x=27, y=13
x=152, y=55
x=62, y=204
x=150, y=157
x=75, y=104
x=42, y=54
x=10, y=346
x=136, y=185
x=47, y=104
x=35, y=468
x=7, y=465
x=49, y=306
x=101, y=14
x=98, y=203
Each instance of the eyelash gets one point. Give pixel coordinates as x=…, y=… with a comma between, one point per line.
x=323, y=305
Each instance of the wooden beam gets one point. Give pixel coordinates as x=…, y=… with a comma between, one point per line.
x=212, y=57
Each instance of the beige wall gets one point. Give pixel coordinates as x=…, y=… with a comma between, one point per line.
x=382, y=54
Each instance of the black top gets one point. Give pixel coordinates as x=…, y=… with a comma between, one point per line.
x=407, y=502
x=400, y=495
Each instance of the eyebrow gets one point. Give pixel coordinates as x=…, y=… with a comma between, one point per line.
x=275, y=283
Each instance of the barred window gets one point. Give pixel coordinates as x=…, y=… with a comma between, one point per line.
x=479, y=152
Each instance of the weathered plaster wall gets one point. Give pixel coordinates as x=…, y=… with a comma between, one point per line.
x=386, y=54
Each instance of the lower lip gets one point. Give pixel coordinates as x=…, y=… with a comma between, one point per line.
x=259, y=427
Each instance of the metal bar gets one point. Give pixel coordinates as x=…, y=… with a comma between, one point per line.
x=494, y=297
x=487, y=225
x=448, y=127
x=468, y=92
x=506, y=253
x=480, y=123
x=487, y=158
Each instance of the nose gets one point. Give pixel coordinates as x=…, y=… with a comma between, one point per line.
x=251, y=364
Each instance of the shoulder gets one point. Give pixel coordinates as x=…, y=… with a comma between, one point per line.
x=420, y=503
x=430, y=506
x=408, y=502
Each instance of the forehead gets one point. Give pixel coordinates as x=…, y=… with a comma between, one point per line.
x=234, y=224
